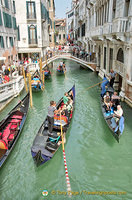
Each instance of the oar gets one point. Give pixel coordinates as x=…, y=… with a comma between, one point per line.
x=91, y=86
x=64, y=157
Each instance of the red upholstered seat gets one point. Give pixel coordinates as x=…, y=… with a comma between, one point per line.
x=0, y=134
x=17, y=117
x=11, y=137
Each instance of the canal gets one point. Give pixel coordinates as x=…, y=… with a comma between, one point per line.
x=96, y=162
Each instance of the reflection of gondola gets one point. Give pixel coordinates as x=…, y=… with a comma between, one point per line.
x=45, y=145
x=109, y=115
x=36, y=82
x=11, y=127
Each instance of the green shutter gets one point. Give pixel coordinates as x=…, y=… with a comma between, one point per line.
x=34, y=10
x=0, y=18
x=6, y=4
x=36, y=34
x=29, y=34
x=14, y=23
x=18, y=34
x=27, y=9
x=2, y=42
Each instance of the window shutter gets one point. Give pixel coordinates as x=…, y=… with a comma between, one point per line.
x=29, y=34
x=36, y=34
x=18, y=34
x=27, y=9
x=0, y=18
x=34, y=10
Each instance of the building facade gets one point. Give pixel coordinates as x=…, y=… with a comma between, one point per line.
x=33, y=24
x=52, y=22
x=60, y=31
x=104, y=29
x=8, y=31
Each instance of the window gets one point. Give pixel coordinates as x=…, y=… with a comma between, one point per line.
x=79, y=32
x=60, y=37
x=32, y=34
x=14, y=7
x=44, y=12
x=71, y=14
x=1, y=42
x=11, y=41
x=111, y=59
x=63, y=36
x=6, y=41
x=0, y=18
x=6, y=4
x=31, y=10
x=120, y=55
x=7, y=20
x=104, y=57
x=83, y=30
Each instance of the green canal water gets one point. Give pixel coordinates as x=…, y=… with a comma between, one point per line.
x=96, y=162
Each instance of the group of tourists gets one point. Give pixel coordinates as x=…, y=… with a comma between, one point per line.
x=65, y=110
x=111, y=103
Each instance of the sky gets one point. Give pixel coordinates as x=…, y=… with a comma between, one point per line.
x=61, y=8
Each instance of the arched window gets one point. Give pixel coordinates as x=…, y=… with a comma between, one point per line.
x=32, y=34
x=120, y=55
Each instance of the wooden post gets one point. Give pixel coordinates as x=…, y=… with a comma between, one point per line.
x=25, y=79
x=62, y=134
x=30, y=90
x=43, y=76
x=41, y=67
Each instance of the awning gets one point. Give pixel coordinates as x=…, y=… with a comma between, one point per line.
x=3, y=58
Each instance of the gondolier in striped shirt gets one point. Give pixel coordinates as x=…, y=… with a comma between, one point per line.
x=51, y=111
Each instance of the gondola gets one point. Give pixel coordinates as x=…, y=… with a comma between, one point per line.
x=11, y=127
x=60, y=70
x=36, y=82
x=108, y=116
x=45, y=145
x=47, y=73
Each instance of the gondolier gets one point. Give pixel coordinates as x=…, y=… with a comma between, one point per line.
x=51, y=111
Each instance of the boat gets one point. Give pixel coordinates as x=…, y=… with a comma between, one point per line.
x=60, y=70
x=36, y=82
x=109, y=115
x=11, y=127
x=47, y=73
x=46, y=145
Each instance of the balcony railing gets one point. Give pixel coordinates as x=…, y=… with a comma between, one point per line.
x=107, y=28
x=119, y=67
x=33, y=42
x=120, y=25
x=96, y=31
x=31, y=16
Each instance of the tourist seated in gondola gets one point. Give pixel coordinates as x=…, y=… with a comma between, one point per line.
x=107, y=102
x=66, y=98
x=115, y=100
x=118, y=120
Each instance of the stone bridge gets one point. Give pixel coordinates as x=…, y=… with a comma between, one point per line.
x=83, y=63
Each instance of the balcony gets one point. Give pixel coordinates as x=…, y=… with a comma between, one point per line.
x=33, y=43
x=96, y=31
x=107, y=28
x=120, y=25
x=31, y=17
x=119, y=68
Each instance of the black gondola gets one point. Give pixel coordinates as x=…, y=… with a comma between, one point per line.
x=46, y=145
x=11, y=127
x=36, y=82
x=108, y=116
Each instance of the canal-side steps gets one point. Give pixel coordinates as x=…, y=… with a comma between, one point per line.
x=90, y=65
x=10, y=90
